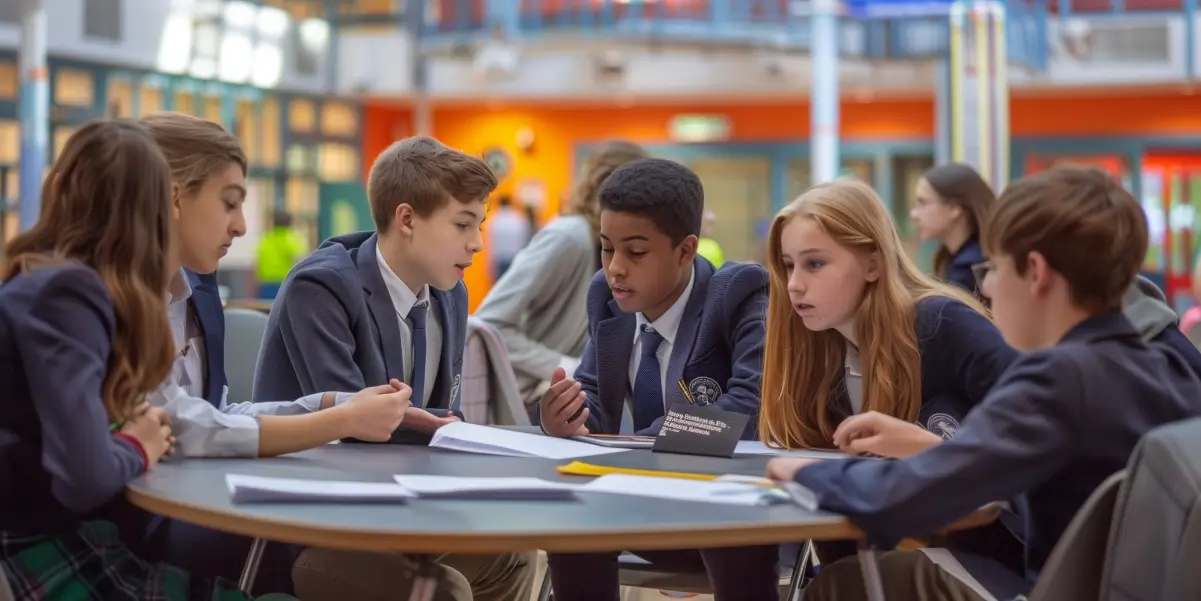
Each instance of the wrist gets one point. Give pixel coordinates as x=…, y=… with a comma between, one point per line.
x=137, y=445
x=327, y=400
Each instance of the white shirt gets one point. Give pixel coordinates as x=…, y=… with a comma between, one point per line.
x=854, y=379
x=508, y=233
x=667, y=326
x=403, y=300
x=200, y=429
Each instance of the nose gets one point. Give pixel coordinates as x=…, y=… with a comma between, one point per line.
x=477, y=242
x=913, y=214
x=796, y=283
x=616, y=266
x=237, y=226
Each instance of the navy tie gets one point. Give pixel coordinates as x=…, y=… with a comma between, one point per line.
x=416, y=321
x=648, y=382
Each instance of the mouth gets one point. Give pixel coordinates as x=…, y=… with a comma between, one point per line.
x=225, y=249
x=802, y=308
x=462, y=267
x=620, y=292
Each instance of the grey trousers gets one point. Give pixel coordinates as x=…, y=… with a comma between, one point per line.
x=328, y=575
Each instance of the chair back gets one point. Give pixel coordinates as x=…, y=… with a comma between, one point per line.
x=244, y=329
x=489, y=393
x=1073, y=571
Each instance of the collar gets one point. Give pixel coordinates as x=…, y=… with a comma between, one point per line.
x=180, y=289
x=969, y=254
x=402, y=297
x=1100, y=327
x=669, y=323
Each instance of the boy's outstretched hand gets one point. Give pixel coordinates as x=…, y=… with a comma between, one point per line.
x=874, y=433
x=374, y=413
x=559, y=403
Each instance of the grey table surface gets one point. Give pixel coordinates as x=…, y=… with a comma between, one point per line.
x=194, y=490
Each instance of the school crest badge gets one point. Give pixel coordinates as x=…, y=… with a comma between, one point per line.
x=943, y=425
x=454, y=391
x=704, y=390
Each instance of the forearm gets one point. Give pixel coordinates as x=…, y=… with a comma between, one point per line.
x=280, y=435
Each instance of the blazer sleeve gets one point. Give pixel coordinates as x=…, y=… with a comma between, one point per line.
x=314, y=324
x=65, y=346
x=966, y=347
x=749, y=293
x=537, y=274
x=1022, y=435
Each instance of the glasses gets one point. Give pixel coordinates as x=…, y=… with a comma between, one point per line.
x=980, y=271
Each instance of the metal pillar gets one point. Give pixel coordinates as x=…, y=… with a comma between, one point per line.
x=824, y=93
x=423, y=115
x=34, y=111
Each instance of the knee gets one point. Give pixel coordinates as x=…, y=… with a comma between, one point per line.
x=843, y=579
x=325, y=574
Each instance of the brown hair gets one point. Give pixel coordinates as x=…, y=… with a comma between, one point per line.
x=425, y=174
x=960, y=185
x=106, y=203
x=585, y=199
x=801, y=368
x=195, y=148
x=1090, y=230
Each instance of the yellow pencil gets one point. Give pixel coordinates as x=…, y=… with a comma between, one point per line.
x=684, y=389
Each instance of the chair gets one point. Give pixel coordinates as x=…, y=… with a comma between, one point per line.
x=6, y=593
x=244, y=329
x=1194, y=334
x=489, y=392
x=1073, y=570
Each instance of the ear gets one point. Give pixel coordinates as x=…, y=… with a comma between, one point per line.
x=1039, y=275
x=176, y=201
x=404, y=219
x=873, y=267
x=687, y=250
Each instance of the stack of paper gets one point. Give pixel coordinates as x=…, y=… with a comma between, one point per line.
x=719, y=491
x=755, y=447
x=261, y=489
x=472, y=438
x=492, y=489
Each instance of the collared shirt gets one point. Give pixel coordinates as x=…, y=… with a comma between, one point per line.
x=667, y=326
x=854, y=378
x=403, y=300
x=200, y=429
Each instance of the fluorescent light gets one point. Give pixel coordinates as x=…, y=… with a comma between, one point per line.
x=268, y=66
x=314, y=33
x=240, y=15
x=273, y=22
x=236, y=52
x=175, y=47
x=203, y=67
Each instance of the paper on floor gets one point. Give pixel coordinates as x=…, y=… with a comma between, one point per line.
x=473, y=438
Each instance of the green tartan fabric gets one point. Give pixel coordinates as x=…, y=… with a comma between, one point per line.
x=94, y=565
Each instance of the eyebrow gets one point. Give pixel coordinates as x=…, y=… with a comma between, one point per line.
x=809, y=251
x=630, y=238
x=237, y=188
x=472, y=214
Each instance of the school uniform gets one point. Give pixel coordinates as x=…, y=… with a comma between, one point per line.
x=709, y=342
x=959, y=269
x=1057, y=423
x=711, y=339
x=344, y=321
x=63, y=470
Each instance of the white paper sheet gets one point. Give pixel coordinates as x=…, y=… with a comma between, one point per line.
x=755, y=447
x=472, y=438
x=455, y=487
x=262, y=489
x=723, y=492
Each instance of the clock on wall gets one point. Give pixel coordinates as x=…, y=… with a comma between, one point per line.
x=499, y=160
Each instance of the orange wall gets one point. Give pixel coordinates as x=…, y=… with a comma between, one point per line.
x=1153, y=114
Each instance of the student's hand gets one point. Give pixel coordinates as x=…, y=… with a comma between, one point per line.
x=784, y=469
x=561, y=401
x=425, y=422
x=878, y=434
x=151, y=427
x=374, y=413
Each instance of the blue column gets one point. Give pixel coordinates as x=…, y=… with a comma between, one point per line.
x=422, y=112
x=34, y=111
x=824, y=94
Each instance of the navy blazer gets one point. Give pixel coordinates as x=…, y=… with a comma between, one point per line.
x=1056, y=424
x=210, y=315
x=333, y=327
x=719, y=342
x=962, y=356
x=58, y=462
x=959, y=269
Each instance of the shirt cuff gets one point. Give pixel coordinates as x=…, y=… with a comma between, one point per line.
x=342, y=397
x=569, y=364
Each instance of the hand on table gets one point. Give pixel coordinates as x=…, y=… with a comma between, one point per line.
x=151, y=427
x=784, y=469
x=559, y=403
x=374, y=413
x=878, y=434
x=423, y=421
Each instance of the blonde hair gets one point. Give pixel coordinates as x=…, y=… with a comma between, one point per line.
x=801, y=368
x=585, y=199
x=195, y=148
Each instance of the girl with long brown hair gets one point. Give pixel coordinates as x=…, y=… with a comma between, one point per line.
x=84, y=338
x=952, y=208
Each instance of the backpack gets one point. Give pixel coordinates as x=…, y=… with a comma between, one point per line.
x=1155, y=540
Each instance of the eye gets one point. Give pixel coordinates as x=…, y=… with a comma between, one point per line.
x=607, y=251
x=463, y=226
x=637, y=253
x=814, y=264
x=788, y=266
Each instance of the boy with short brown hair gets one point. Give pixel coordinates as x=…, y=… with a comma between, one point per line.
x=1064, y=247
x=390, y=304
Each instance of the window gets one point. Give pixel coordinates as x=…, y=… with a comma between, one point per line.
x=62, y=133
x=212, y=110
x=74, y=88
x=8, y=79
x=337, y=163
x=10, y=142
x=299, y=159
x=302, y=117
x=120, y=97
x=152, y=99
x=185, y=102
x=102, y=19
x=246, y=128
x=339, y=119
x=301, y=196
x=272, y=132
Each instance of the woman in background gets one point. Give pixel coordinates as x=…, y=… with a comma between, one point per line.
x=953, y=203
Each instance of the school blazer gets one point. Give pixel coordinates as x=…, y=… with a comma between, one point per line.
x=210, y=315
x=959, y=270
x=333, y=327
x=718, y=350
x=1058, y=423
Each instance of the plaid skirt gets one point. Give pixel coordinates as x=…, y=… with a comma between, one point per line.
x=94, y=565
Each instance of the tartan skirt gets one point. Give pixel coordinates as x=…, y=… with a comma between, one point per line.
x=94, y=565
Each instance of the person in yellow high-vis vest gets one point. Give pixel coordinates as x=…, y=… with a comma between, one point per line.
x=706, y=246
x=280, y=248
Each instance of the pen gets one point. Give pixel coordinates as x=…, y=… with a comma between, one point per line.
x=684, y=389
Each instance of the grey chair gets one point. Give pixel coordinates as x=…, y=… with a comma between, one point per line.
x=489, y=392
x=244, y=329
x=1073, y=570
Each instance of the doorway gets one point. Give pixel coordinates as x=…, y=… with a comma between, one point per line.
x=738, y=191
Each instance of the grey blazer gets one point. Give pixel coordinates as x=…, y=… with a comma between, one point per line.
x=540, y=305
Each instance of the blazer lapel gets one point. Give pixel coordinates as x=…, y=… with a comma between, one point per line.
x=206, y=302
x=614, y=343
x=383, y=312
x=681, y=348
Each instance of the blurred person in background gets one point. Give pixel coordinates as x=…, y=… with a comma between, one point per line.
x=953, y=204
x=508, y=232
x=539, y=305
x=707, y=246
x=280, y=249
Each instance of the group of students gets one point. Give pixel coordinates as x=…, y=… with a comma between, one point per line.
x=113, y=334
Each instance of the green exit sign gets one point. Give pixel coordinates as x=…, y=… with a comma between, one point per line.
x=699, y=128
